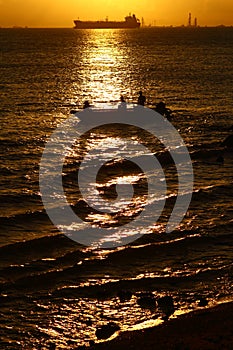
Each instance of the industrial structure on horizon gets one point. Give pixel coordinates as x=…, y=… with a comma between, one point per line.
x=190, y=21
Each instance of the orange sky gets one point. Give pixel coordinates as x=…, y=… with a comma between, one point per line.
x=60, y=13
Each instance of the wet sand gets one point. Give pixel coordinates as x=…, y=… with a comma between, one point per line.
x=204, y=329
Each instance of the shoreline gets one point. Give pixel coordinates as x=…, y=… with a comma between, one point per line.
x=209, y=328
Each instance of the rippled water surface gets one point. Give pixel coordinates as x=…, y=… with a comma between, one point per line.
x=55, y=290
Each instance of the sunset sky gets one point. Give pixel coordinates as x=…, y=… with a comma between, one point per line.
x=60, y=13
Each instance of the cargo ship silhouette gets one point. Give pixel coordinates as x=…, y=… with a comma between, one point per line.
x=129, y=22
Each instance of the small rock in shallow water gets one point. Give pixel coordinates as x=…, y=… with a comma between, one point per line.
x=124, y=295
x=105, y=331
x=166, y=305
x=88, y=322
x=71, y=342
x=203, y=302
x=147, y=301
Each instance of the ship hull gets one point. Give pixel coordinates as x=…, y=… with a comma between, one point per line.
x=130, y=22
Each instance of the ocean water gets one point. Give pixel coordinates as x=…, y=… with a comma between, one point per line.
x=54, y=290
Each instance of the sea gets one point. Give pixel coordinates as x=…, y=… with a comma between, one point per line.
x=56, y=292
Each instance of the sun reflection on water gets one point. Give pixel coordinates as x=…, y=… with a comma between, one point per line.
x=103, y=65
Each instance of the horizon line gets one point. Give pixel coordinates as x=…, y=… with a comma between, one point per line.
x=142, y=27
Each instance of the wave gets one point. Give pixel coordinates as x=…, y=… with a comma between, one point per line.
x=54, y=263
x=110, y=289
x=33, y=200
x=53, y=246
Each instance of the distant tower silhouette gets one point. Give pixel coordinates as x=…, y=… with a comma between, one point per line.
x=143, y=22
x=195, y=22
x=190, y=20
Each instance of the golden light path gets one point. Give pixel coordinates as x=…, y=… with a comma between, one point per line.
x=104, y=59
x=102, y=65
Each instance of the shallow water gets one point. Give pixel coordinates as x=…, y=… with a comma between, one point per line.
x=53, y=289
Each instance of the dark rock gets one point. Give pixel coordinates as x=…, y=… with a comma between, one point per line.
x=202, y=302
x=124, y=295
x=147, y=301
x=70, y=342
x=105, y=331
x=166, y=305
x=73, y=111
x=89, y=322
